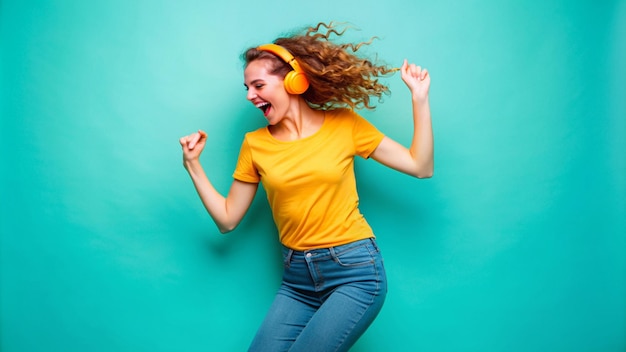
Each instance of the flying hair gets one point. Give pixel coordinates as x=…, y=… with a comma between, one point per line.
x=338, y=75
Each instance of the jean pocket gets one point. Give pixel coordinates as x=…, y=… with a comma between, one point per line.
x=355, y=256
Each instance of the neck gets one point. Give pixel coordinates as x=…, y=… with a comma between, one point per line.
x=300, y=121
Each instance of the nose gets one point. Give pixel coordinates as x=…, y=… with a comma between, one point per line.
x=251, y=94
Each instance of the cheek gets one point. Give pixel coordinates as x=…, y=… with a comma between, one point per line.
x=282, y=102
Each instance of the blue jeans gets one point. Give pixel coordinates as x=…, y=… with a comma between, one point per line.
x=327, y=299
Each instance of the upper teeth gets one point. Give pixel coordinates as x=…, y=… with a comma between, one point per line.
x=260, y=105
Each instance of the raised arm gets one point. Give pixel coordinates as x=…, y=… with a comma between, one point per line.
x=418, y=159
x=228, y=211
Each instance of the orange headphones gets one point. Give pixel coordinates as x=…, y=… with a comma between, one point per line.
x=295, y=81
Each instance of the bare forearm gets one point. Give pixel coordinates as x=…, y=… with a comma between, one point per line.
x=213, y=201
x=422, y=145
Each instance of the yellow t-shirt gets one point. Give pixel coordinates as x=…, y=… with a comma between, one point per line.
x=310, y=183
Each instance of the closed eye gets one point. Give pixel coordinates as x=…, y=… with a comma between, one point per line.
x=257, y=87
x=257, y=83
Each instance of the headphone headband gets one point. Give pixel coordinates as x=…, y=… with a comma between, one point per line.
x=283, y=54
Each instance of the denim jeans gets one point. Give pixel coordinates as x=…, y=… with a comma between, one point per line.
x=327, y=299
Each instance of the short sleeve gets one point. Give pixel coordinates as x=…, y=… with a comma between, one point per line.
x=366, y=136
x=245, y=170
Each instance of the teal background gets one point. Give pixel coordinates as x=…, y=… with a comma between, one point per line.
x=518, y=243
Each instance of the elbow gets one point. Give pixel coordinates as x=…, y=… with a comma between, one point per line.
x=423, y=175
x=424, y=172
x=224, y=224
x=422, y=167
x=224, y=229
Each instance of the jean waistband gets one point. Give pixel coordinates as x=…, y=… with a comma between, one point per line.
x=329, y=251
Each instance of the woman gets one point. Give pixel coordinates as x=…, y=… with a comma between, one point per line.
x=307, y=87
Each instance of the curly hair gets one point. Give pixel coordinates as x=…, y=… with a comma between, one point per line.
x=337, y=76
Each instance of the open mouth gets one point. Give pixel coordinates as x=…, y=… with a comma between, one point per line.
x=265, y=107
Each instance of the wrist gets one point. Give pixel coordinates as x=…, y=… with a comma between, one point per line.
x=191, y=164
x=420, y=99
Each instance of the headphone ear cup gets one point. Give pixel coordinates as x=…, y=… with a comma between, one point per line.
x=296, y=82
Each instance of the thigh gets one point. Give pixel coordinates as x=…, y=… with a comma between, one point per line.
x=351, y=306
x=338, y=324
x=285, y=320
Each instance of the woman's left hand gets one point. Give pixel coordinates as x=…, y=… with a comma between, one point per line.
x=417, y=79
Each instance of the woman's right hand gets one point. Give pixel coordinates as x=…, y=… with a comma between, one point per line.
x=193, y=145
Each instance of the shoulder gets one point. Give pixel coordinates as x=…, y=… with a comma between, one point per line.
x=343, y=116
x=257, y=135
x=347, y=118
x=342, y=113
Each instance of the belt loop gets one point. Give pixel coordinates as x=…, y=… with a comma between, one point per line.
x=288, y=258
x=374, y=244
x=333, y=254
